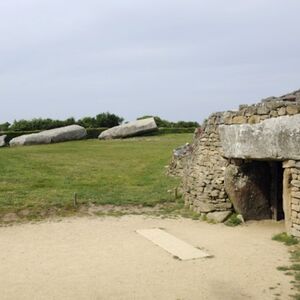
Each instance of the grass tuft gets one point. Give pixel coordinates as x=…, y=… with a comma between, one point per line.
x=283, y=268
x=286, y=239
x=233, y=221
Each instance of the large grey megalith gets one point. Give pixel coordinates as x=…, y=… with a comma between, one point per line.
x=272, y=139
x=130, y=129
x=67, y=133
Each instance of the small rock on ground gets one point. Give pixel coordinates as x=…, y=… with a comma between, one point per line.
x=10, y=217
x=218, y=216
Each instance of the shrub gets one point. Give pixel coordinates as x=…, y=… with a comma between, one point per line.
x=101, y=120
x=40, y=124
x=108, y=120
x=87, y=122
x=176, y=130
x=93, y=133
x=4, y=126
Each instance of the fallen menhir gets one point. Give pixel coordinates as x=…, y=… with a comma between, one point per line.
x=67, y=133
x=130, y=129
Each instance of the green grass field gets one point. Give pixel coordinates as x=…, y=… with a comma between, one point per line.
x=115, y=172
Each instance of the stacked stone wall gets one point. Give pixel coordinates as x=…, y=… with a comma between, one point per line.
x=291, y=195
x=203, y=177
x=295, y=201
x=268, y=108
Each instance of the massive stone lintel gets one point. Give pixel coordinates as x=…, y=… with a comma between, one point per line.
x=130, y=129
x=67, y=133
x=272, y=139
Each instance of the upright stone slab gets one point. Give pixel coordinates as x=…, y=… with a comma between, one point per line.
x=67, y=133
x=275, y=138
x=130, y=129
x=248, y=189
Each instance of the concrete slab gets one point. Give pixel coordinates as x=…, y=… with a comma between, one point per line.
x=171, y=244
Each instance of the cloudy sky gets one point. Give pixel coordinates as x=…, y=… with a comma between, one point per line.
x=179, y=59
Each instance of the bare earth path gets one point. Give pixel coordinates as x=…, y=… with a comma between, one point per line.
x=104, y=258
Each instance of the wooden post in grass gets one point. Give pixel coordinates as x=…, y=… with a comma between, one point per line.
x=75, y=200
x=176, y=193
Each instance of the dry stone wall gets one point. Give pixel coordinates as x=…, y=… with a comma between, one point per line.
x=291, y=195
x=203, y=175
x=271, y=107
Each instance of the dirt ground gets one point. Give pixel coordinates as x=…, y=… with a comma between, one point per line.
x=104, y=258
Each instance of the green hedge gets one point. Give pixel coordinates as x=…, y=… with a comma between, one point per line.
x=164, y=130
x=93, y=133
x=13, y=134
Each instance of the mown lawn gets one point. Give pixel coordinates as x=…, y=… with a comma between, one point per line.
x=116, y=172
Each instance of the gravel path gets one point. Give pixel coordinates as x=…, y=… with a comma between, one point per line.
x=104, y=258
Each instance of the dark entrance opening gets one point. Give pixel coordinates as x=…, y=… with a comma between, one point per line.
x=255, y=188
x=266, y=178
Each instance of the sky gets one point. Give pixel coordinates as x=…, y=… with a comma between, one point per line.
x=178, y=59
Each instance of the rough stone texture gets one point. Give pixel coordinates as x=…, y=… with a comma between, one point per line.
x=218, y=216
x=2, y=140
x=276, y=138
x=203, y=174
x=291, y=198
x=30, y=139
x=248, y=189
x=178, y=162
x=130, y=129
x=67, y=133
x=182, y=150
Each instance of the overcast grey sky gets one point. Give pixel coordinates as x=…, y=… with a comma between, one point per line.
x=179, y=59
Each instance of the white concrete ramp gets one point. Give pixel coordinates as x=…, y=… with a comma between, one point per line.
x=171, y=244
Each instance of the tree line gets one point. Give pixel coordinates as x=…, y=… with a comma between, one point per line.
x=102, y=120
